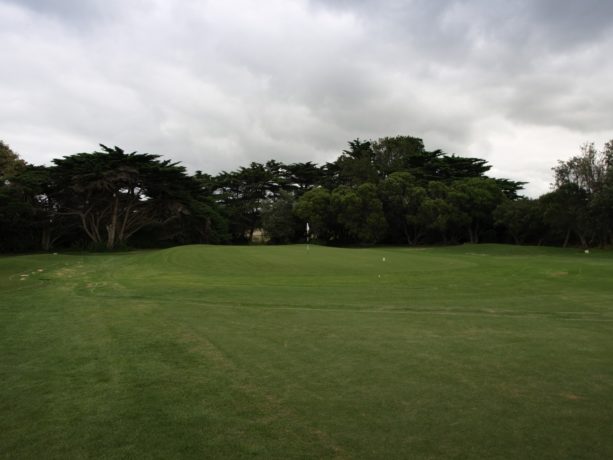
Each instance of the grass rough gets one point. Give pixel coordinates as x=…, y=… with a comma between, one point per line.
x=278, y=352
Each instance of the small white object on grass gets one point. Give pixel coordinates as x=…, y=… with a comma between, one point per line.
x=383, y=259
x=587, y=251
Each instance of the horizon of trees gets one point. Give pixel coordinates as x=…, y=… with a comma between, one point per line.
x=391, y=190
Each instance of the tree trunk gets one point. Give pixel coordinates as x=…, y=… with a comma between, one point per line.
x=91, y=232
x=566, y=238
x=582, y=239
x=111, y=229
x=122, y=230
x=45, y=241
x=407, y=234
x=473, y=235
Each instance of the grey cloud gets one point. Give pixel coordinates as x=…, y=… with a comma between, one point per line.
x=82, y=14
x=220, y=83
x=62, y=8
x=566, y=21
x=561, y=101
x=572, y=22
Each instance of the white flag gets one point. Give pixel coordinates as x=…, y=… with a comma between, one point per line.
x=307, y=228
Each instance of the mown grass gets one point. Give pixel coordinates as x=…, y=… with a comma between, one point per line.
x=279, y=352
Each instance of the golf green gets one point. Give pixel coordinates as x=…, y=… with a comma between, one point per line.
x=483, y=351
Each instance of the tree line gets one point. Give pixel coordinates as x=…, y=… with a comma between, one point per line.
x=391, y=190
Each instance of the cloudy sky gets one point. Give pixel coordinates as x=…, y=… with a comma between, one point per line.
x=217, y=84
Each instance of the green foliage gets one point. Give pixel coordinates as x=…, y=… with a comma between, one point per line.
x=16, y=204
x=437, y=211
x=279, y=221
x=359, y=213
x=302, y=177
x=15, y=215
x=355, y=165
x=406, y=153
x=583, y=199
x=522, y=218
x=10, y=163
x=27, y=213
x=475, y=200
x=400, y=153
x=403, y=200
x=315, y=207
x=566, y=211
x=390, y=190
x=113, y=195
x=345, y=215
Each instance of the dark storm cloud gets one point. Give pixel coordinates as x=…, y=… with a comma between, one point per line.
x=219, y=83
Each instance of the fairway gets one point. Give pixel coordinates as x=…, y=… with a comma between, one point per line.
x=474, y=351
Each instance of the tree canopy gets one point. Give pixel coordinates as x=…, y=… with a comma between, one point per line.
x=390, y=190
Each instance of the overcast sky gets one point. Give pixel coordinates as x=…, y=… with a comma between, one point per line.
x=217, y=84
